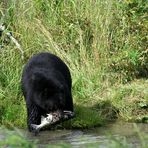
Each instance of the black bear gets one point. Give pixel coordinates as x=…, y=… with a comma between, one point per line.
x=46, y=85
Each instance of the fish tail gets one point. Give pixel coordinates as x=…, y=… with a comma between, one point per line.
x=34, y=126
x=35, y=129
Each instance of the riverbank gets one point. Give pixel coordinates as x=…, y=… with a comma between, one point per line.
x=103, y=44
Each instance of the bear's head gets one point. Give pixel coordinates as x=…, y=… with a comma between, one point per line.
x=49, y=93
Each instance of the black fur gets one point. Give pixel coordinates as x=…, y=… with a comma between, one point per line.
x=46, y=84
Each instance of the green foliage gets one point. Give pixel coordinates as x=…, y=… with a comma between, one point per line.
x=86, y=117
x=16, y=142
x=129, y=40
x=15, y=139
x=102, y=42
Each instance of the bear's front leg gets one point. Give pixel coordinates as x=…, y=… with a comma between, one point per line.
x=33, y=115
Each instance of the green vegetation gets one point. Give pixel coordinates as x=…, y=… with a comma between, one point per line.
x=102, y=42
x=16, y=139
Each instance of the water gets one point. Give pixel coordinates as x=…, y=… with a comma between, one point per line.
x=98, y=136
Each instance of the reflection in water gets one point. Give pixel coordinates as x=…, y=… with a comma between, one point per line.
x=81, y=138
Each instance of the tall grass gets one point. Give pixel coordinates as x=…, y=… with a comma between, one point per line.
x=98, y=40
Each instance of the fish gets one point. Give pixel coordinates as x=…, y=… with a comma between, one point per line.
x=52, y=118
x=68, y=115
x=44, y=122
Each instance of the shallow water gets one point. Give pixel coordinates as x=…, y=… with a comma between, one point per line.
x=98, y=136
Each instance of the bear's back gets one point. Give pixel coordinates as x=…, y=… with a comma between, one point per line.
x=48, y=61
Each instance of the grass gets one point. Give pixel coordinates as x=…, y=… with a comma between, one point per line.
x=102, y=42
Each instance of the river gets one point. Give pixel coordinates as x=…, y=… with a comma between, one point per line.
x=101, y=137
